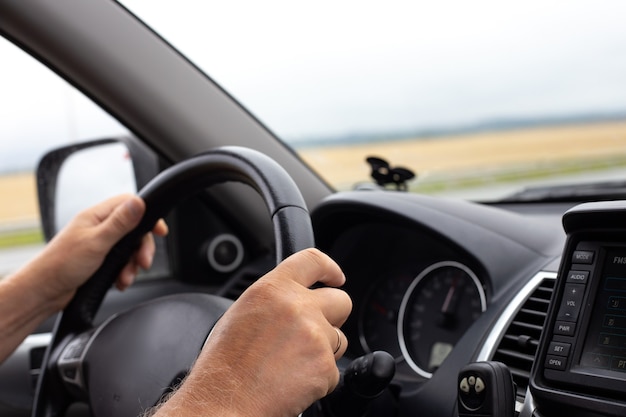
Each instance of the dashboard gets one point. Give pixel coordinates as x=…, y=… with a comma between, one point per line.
x=438, y=283
x=441, y=284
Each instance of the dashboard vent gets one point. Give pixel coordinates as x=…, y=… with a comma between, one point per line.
x=237, y=286
x=238, y=283
x=519, y=344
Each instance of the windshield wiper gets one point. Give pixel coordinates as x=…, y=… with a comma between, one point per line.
x=596, y=191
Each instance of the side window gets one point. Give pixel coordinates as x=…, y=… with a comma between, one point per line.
x=39, y=111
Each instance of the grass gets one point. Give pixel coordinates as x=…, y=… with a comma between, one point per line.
x=460, y=181
x=21, y=238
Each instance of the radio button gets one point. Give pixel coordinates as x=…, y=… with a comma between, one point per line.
x=582, y=257
x=559, y=349
x=595, y=360
x=618, y=364
x=617, y=303
x=564, y=328
x=556, y=362
x=578, y=277
x=572, y=301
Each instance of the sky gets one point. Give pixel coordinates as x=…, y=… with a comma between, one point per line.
x=331, y=68
x=324, y=67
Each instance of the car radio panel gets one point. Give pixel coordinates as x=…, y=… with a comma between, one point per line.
x=605, y=344
x=582, y=354
x=589, y=333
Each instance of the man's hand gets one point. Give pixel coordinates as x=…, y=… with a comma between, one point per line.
x=45, y=285
x=78, y=250
x=273, y=352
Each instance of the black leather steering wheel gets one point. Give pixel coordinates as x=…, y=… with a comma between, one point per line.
x=122, y=367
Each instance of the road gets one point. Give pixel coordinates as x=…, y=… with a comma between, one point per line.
x=11, y=259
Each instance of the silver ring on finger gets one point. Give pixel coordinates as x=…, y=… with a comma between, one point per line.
x=338, y=340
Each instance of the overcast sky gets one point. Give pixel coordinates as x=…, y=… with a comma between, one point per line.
x=335, y=67
x=329, y=66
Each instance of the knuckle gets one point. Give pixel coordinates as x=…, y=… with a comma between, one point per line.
x=345, y=300
x=119, y=222
x=318, y=258
x=283, y=301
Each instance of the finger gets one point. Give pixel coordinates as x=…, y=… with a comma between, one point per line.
x=310, y=266
x=121, y=220
x=127, y=276
x=339, y=343
x=145, y=253
x=335, y=304
x=160, y=228
x=101, y=211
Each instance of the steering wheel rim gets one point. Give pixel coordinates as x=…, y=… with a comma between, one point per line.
x=291, y=224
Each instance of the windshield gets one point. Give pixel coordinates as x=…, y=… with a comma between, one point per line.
x=478, y=99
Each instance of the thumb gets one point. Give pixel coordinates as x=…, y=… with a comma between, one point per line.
x=122, y=219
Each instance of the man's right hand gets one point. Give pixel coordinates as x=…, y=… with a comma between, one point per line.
x=274, y=352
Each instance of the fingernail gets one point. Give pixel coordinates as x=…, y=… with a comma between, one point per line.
x=133, y=208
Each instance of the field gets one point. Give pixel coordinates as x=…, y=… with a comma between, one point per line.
x=465, y=160
x=460, y=160
x=19, y=199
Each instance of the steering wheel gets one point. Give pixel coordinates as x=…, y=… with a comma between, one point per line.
x=128, y=363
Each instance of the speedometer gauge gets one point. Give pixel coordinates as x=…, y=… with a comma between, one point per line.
x=379, y=315
x=439, y=306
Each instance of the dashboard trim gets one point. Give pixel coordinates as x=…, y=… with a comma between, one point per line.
x=491, y=342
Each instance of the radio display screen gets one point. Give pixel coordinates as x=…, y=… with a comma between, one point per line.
x=605, y=344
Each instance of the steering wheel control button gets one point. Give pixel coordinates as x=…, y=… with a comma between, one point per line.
x=577, y=277
x=556, y=362
x=564, y=328
x=582, y=257
x=70, y=374
x=559, y=349
x=572, y=301
x=70, y=362
x=75, y=348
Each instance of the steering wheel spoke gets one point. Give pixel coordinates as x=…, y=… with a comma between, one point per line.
x=69, y=364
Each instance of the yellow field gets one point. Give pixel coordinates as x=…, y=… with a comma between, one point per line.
x=343, y=166
x=19, y=198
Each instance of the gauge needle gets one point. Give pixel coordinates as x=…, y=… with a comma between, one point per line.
x=445, y=308
x=449, y=307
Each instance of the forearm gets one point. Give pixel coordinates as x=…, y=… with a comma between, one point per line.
x=23, y=306
x=203, y=396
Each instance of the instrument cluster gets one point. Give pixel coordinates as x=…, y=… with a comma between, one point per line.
x=414, y=296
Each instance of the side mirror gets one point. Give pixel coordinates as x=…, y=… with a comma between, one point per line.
x=74, y=177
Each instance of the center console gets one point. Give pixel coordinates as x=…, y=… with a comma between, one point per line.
x=581, y=363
